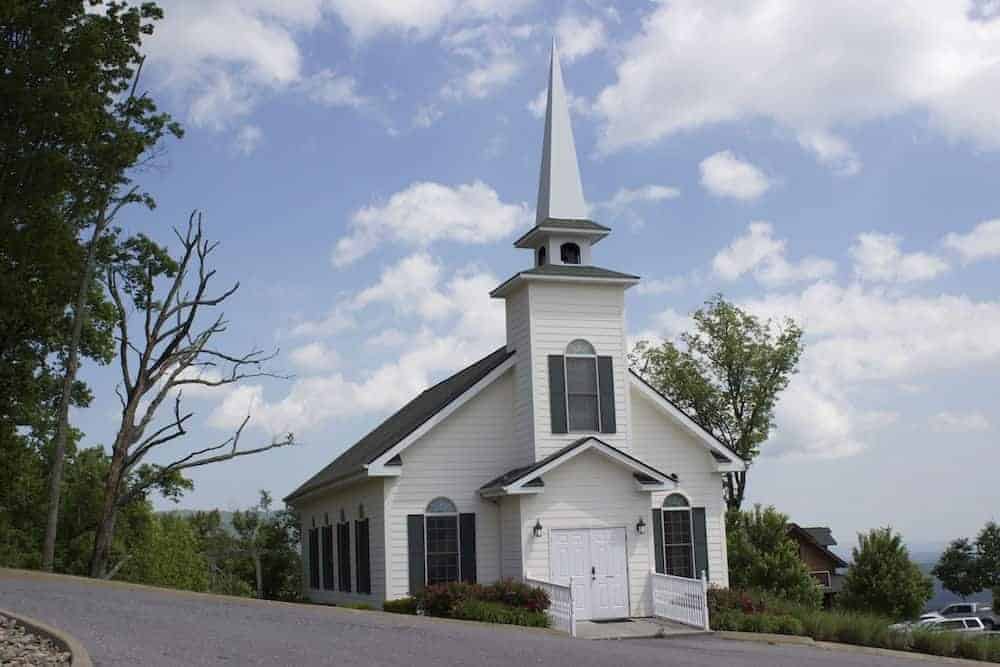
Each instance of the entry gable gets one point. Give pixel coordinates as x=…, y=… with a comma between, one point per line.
x=726, y=460
x=528, y=479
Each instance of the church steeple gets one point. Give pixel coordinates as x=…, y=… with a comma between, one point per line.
x=560, y=193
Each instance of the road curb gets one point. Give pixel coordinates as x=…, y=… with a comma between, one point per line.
x=794, y=640
x=69, y=643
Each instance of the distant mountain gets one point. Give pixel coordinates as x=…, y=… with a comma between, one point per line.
x=942, y=596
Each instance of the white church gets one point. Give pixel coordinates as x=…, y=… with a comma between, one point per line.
x=547, y=461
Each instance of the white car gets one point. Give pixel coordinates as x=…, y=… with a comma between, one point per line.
x=966, y=624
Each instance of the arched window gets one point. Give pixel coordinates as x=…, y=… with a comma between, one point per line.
x=582, y=401
x=442, y=541
x=569, y=253
x=542, y=252
x=678, y=541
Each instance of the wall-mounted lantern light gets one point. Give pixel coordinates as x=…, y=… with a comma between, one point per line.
x=640, y=527
x=537, y=530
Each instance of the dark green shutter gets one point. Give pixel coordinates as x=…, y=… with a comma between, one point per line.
x=327, y=535
x=606, y=387
x=557, y=393
x=700, y=541
x=415, y=547
x=467, y=546
x=362, y=556
x=344, y=555
x=661, y=567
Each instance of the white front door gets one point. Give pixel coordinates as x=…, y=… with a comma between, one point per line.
x=593, y=562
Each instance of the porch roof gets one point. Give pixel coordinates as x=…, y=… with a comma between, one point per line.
x=527, y=479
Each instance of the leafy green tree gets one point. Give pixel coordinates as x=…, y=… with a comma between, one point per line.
x=167, y=555
x=72, y=129
x=958, y=569
x=727, y=376
x=762, y=556
x=988, y=559
x=249, y=527
x=883, y=580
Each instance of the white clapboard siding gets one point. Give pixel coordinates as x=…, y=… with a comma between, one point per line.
x=589, y=491
x=663, y=444
x=313, y=508
x=519, y=340
x=454, y=459
x=560, y=313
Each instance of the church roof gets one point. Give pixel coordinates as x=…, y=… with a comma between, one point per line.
x=579, y=272
x=581, y=227
x=560, y=192
x=401, y=424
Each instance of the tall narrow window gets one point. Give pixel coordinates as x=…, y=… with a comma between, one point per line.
x=327, y=535
x=313, y=558
x=569, y=253
x=362, y=556
x=678, y=542
x=582, y=401
x=541, y=256
x=442, y=542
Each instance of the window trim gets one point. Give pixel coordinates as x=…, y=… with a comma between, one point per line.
x=826, y=581
x=458, y=538
x=663, y=518
x=579, y=253
x=597, y=385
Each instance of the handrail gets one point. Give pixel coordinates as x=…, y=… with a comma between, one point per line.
x=561, y=610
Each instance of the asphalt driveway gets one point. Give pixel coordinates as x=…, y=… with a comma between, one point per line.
x=121, y=624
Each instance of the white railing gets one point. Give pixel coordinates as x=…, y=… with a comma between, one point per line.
x=561, y=614
x=681, y=599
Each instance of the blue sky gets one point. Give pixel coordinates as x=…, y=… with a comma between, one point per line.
x=366, y=166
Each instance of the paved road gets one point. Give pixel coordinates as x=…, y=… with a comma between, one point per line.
x=122, y=624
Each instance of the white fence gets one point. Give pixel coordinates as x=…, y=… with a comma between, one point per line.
x=560, y=611
x=681, y=599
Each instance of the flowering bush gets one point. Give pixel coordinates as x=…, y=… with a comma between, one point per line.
x=444, y=599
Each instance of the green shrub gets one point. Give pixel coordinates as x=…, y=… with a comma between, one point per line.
x=401, y=606
x=497, y=612
x=758, y=623
x=934, y=643
x=443, y=599
x=725, y=619
x=361, y=606
x=973, y=648
x=787, y=625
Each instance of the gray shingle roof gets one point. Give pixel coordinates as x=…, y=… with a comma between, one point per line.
x=404, y=422
x=821, y=534
x=564, y=225
x=815, y=535
x=567, y=271
x=514, y=475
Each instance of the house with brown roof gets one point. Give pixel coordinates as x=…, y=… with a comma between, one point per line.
x=814, y=549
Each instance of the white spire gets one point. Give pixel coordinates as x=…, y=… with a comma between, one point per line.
x=560, y=194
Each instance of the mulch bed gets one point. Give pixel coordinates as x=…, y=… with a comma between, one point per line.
x=19, y=647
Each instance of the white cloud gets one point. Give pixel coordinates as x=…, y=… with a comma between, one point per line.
x=759, y=253
x=815, y=70
x=247, y=139
x=725, y=175
x=959, y=422
x=337, y=320
x=426, y=212
x=983, y=242
x=623, y=204
x=418, y=18
x=659, y=286
x=489, y=53
x=877, y=258
x=330, y=89
x=456, y=323
x=578, y=36
x=315, y=358
x=426, y=116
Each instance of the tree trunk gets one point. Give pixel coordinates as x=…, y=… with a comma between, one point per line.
x=260, y=574
x=109, y=511
x=735, y=487
x=62, y=426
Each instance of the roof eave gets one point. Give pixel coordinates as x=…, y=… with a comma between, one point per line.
x=533, y=235
x=510, y=284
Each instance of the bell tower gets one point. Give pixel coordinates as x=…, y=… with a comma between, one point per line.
x=565, y=315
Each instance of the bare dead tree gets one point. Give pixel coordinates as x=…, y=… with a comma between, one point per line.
x=171, y=350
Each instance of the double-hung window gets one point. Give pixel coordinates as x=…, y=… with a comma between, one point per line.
x=442, y=542
x=678, y=541
x=582, y=397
